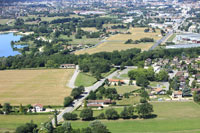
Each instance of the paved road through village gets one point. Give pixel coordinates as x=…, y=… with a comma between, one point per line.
x=77, y=102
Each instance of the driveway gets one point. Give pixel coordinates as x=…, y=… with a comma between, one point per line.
x=71, y=83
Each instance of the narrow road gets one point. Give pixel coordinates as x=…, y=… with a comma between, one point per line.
x=175, y=28
x=71, y=83
x=161, y=40
x=77, y=102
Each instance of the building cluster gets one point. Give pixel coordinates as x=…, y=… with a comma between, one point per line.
x=184, y=76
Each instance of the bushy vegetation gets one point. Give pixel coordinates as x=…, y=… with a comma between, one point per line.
x=69, y=116
x=142, y=40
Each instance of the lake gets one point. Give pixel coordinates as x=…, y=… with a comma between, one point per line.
x=5, y=44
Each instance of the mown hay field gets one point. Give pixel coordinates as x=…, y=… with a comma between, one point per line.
x=47, y=87
x=117, y=42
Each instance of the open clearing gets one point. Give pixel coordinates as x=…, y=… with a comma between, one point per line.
x=5, y=21
x=171, y=38
x=116, y=42
x=179, y=117
x=47, y=87
x=11, y=122
x=82, y=41
x=85, y=80
x=124, y=88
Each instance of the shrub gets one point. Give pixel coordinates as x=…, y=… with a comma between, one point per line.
x=101, y=116
x=1, y=112
x=26, y=128
x=86, y=114
x=70, y=116
x=67, y=101
x=98, y=127
x=111, y=114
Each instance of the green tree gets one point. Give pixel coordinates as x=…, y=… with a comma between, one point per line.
x=119, y=83
x=101, y=116
x=111, y=114
x=98, y=127
x=76, y=92
x=21, y=108
x=85, y=104
x=130, y=111
x=144, y=109
x=130, y=82
x=67, y=127
x=50, y=64
x=142, y=81
x=26, y=128
x=107, y=82
x=7, y=108
x=196, y=97
x=124, y=114
x=92, y=95
x=70, y=116
x=162, y=76
x=97, y=75
x=86, y=114
x=19, y=22
x=111, y=93
x=150, y=74
x=144, y=94
x=174, y=84
x=67, y=101
x=194, y=83
x=55, y=118
x=49, y=127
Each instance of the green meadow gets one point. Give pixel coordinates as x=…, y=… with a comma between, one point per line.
x=180, y=117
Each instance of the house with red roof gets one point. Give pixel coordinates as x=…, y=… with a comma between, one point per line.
x=38, y=107
x=177, y=94
x=116, y=81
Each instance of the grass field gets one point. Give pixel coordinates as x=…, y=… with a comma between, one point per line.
x=116, y=42
x=124, y=76
x=85, y=80
x=124, y=88
x=11, y=122
x=179, y=117
x=4, y=21
x=47, y=87
x=171, y=38
x=50, y=18
x=84, y=40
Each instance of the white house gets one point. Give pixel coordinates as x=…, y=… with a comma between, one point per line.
x=38, y=107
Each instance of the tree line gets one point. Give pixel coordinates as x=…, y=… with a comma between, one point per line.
x=91, y=63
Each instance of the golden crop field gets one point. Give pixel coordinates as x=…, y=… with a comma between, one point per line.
x=116, y=42
x=90, y=29
x=47, y=87
x=136, y=34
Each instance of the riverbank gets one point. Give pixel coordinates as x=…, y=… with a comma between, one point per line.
x=16, y=32
x=11, y=31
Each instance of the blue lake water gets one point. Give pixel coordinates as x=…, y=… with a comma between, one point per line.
x=5, y=44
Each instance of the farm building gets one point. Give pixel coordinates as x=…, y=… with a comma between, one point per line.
x=98, y=103
x=116, y=81
x=68, y=66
